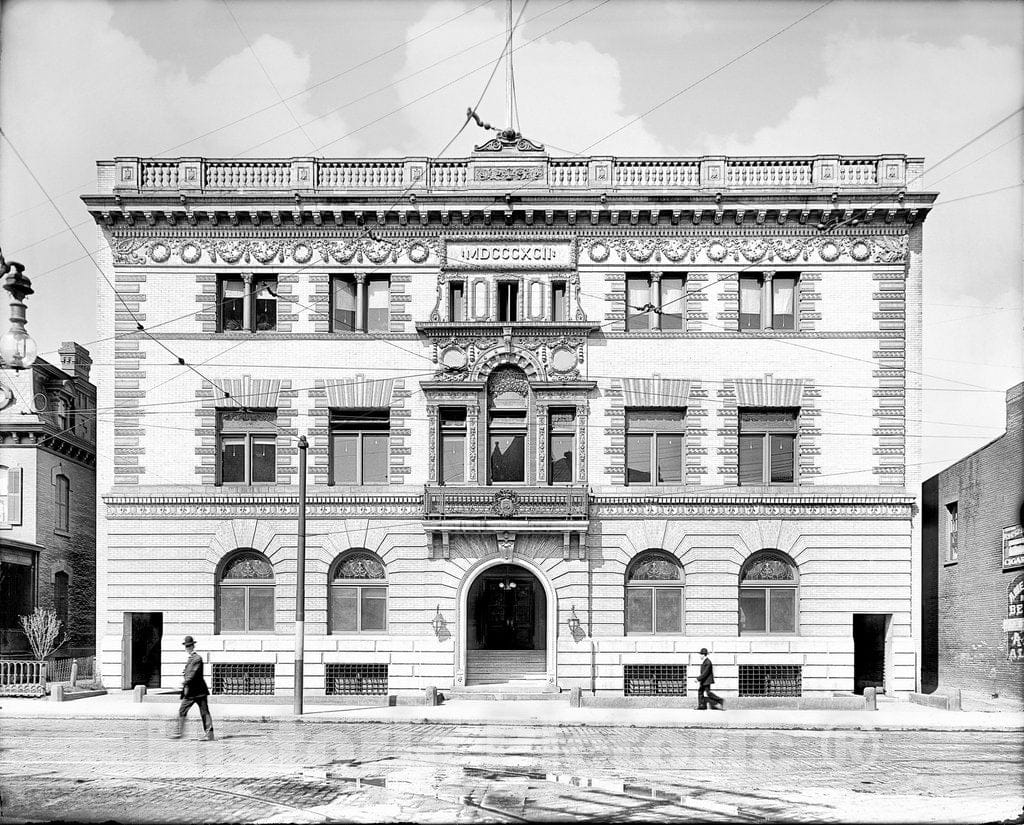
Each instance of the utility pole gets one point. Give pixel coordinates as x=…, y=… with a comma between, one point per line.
x=300, y=580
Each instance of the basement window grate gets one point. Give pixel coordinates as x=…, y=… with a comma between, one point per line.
x=654, y=680
x=243, y=679
x=357, y=679
x=770, y=680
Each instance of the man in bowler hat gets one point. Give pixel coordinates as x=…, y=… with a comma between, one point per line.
x=194, y=690
x=705, y=680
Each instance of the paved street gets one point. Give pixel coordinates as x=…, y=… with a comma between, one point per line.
x=128, y=770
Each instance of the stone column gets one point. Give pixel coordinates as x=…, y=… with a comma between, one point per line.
x=360, y=278
x=247, y=319
x=656, y=299
x=768, y=301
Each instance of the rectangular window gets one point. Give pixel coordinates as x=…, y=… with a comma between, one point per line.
x=360, y=305
x=264, y=304
x=952, y=551
x=654, y=446
x=784, y=302
x=359, y=446
x=343, y=305
x=767, y=446
x=453, y=445
x=673, y=303
x=507, y=447
x=558, y=309
x=231, y=304
x=562, y=445
x=456, y=301
x=249, y=305
x=358, y=608
x=768, y=303
x=654, y=610
x=378, y=299
x=247, y=446
x=638, y=294
x=508, y=301
x=63, y=509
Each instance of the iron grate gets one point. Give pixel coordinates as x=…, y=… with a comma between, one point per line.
x=654, y=680
x=770, y=680
x=357, y=679
x=246, y=678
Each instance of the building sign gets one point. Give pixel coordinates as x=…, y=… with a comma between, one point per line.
x=1013, y=547
x=503, y=254
x=1014, y=624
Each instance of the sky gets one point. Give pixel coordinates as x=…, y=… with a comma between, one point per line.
x=82, y=80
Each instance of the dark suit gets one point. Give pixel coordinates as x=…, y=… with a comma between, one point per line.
x=194, y=692
x=704, y=681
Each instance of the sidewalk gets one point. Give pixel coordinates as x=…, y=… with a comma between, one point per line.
x=891, y=715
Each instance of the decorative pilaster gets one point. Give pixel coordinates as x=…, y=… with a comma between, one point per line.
x=432, y=443
x=247, y=302
x=656, y=300
x=767, y=300
x=581, y=443
x=472, y=439
x=360, y=279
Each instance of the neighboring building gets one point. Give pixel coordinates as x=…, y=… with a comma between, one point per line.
x=973, y=567
x=48, y=499
x=516, y=468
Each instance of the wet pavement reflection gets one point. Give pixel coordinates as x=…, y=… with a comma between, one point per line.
x=284, y=772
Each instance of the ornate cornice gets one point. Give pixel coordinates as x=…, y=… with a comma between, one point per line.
x=802, y=506
x=630, y=506
x=260, y=506
x=39, y=439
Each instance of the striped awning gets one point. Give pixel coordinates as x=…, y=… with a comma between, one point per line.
x=655, y=392
x=359, y=393
x=769, y=392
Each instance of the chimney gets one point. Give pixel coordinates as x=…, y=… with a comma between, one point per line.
x=75, y=360
x=1015, y=408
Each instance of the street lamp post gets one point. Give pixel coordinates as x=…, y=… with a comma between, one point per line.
x=17, y=348
x=300, y=580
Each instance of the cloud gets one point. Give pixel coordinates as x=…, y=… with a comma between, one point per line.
x=75, y=90
x=567, y=90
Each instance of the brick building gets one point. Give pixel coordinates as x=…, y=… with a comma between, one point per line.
x=973, y=567
x=48, y=499
x=570, y=420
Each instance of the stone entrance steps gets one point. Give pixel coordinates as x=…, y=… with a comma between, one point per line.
x=495, y=666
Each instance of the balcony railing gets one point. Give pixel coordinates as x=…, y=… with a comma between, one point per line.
x=506, y=503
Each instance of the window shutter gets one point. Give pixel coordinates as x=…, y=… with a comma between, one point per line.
x=14, y=495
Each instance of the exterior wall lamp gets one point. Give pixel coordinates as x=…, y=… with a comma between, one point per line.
x=438, y=623
x=574, y=623
x=506, y=585
x=17, y=348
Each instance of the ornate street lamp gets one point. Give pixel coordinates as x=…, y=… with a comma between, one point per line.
x=17, y=347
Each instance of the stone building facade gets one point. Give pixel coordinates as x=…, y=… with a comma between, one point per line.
x=973, y=567
x=569, y=420
x=48, y=500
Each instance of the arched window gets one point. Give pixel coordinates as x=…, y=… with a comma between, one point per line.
x=359, y=594
x=768, y=602
x=62, y=511
x=654, y=594
x=508, y=394
x=245, y=594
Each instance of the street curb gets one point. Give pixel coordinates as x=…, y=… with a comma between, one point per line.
x=536, y=723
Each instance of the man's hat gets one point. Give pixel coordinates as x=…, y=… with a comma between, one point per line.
x=189, y=641
x=703, y=650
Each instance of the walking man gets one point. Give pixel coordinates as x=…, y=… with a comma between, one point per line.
x=194, y=690
x=705, y=680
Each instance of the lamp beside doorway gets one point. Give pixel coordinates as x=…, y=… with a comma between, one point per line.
x=438, y=623
x=574, y=623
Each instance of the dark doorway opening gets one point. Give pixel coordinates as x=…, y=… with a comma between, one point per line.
x=870, y=633
x=507, y=610
x=141, y=662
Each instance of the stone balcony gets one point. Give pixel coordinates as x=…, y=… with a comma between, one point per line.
x=522, y=171
x=507, y=504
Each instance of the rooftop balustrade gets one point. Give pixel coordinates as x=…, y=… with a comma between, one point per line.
x=500, y=172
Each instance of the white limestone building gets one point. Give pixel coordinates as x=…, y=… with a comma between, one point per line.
x=570, y=420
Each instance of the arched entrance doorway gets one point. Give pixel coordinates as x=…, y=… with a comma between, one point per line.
x=506, y=626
